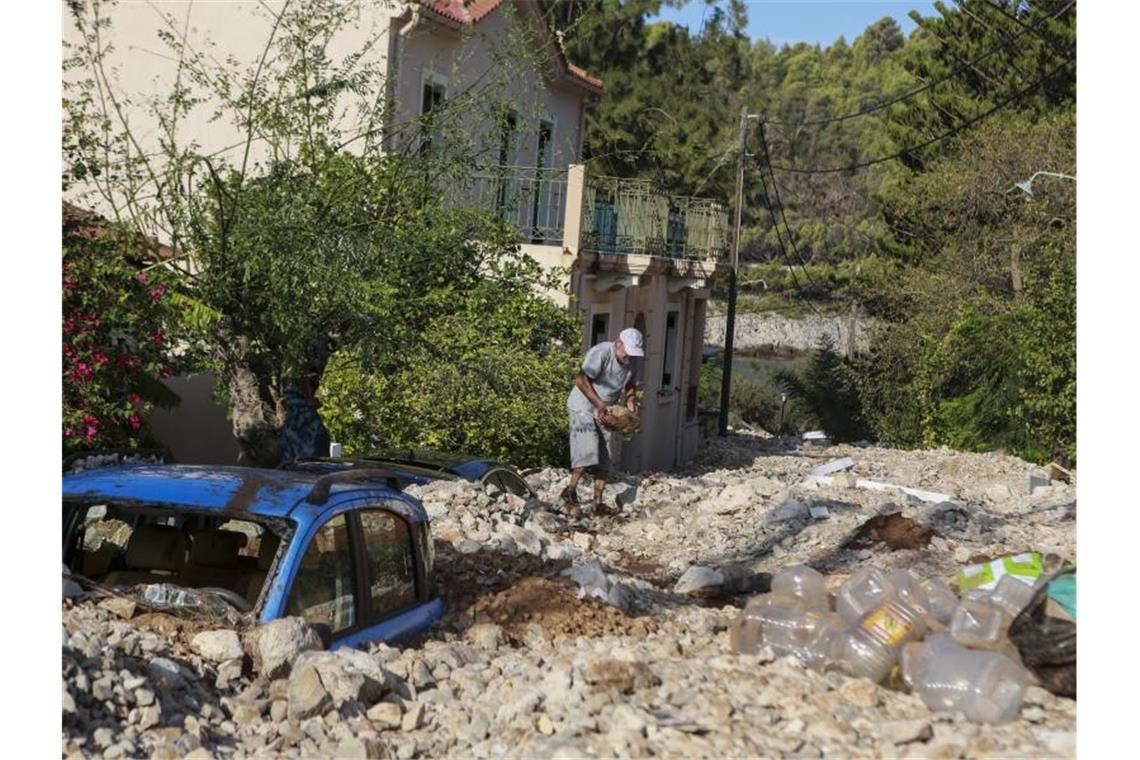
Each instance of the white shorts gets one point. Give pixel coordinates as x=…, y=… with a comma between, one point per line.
x=591, y=444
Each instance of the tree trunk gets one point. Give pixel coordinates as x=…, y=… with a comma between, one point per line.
x=253, y=408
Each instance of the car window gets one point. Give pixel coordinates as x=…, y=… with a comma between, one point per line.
x=253, y=533
x=322, y=590
x=391, y=565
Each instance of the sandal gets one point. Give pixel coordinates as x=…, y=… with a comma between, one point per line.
x=604, y=510
x=570, y=503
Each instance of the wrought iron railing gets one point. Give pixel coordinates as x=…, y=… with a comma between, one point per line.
x=532, y=199
x=628, y=216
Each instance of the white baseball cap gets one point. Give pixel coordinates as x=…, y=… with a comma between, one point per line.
x=633, y=342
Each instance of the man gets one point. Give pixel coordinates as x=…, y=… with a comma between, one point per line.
x=607, y=375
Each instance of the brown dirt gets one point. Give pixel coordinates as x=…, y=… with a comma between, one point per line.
x=894, y=530
x=553, y=604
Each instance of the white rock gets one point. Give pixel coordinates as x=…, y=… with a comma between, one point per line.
x=697, y=579
x=217, y=646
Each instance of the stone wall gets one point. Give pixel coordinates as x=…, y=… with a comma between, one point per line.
x=778, y=334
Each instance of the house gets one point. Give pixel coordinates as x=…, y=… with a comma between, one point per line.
x=629, y=256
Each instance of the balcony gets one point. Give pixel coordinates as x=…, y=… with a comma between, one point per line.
x=618, y=216
x=628, y=216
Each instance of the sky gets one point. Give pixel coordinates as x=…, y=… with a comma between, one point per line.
x=812, y=21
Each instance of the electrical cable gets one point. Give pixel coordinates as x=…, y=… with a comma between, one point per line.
x=918, y=90
x=950, y=133
x=776, y=196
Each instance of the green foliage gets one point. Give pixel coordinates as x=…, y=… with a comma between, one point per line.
x=827, y=390
x=489, y=378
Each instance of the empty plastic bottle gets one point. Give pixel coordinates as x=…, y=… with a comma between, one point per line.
x=862, y=592
x=787, y=626
x=987, y=687
x=870, y=647
x=1012, y=594
x=805, y=584
x=942, y=600
x=746, y=633
x=979, y=625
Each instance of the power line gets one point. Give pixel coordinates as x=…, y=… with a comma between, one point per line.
x=923, y=88
x=950, y=133
x=776, y=195
x=1035, y=28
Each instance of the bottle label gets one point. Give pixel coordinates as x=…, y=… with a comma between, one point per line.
x=887, y=626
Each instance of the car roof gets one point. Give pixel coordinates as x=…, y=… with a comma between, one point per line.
x=231, y=491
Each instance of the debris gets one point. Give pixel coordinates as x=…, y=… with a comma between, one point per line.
x=932, y=497
x=835, y=465
x=892, y=529
x=818, y=512
x=279, y=642
x=816, y=438
x=1047, y=643
x=986, y=575
x=698, y=581
x=1057, y=472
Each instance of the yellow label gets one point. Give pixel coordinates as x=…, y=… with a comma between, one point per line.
x=886, y=626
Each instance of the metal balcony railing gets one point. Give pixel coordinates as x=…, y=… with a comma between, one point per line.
x=532, y=199
x=628, y=216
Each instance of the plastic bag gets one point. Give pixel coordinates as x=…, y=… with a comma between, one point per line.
x=1047, y=642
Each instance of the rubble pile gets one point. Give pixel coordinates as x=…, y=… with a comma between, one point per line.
x=599, y=636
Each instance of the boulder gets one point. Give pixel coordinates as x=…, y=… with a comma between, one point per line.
x=307, y=694
x=217, y=646
x=277, y=644
x=347, y=674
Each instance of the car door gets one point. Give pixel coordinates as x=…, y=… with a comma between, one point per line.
x=359, y=575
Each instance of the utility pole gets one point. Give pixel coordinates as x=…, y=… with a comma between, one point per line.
x=730, y=323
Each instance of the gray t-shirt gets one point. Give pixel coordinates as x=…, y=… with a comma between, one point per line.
x=608, y=376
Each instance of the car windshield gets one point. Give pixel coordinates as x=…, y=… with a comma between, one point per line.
x=172, y=558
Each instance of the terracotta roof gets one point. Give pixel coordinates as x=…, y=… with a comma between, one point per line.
x=471, y=12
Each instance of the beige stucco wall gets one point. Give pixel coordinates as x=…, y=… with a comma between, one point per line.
x=465, y=60
x=143, y=68
x=667, y=437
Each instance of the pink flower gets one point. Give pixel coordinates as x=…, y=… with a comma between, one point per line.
x=134, y=398
x=136, y=421
x=141, y=277
x=83, y=371
x=69, y=327
x=99, y=358
x=157, y=336
x=157, y=292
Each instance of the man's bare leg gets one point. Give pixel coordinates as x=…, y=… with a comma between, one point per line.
x=599, y=489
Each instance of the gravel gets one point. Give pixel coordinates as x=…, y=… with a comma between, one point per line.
x=616, y=659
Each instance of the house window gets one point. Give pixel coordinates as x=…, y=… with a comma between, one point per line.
x=599, y=328
x=541, y=213
x=433, y=95
x=391, y=566
x=323, y=589
x=668, y=371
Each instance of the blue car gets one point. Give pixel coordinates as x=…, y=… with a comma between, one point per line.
x=347, y=551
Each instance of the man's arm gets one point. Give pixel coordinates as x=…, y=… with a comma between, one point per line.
x=631, y=397
x=582, y=381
